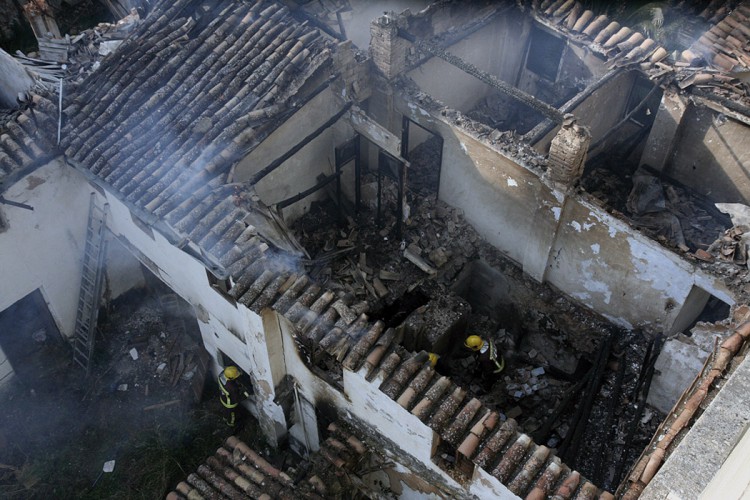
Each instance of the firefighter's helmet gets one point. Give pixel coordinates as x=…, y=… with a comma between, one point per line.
x=474, y=342
x=433, y=359
x=231, y=372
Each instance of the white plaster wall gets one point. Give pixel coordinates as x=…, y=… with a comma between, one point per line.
x=612, y=96
x=575, y=245
x=620, y=273
x=679, y=361
x=712, y=157
x=43, y=248
x=123, y=269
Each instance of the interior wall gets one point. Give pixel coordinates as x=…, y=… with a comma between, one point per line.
x=123, y=269
x=577, y=69
x=575, y=245
x=301, y=171
x=43, y=248
x=711, y=156
x=498, y=49
x=612, y=97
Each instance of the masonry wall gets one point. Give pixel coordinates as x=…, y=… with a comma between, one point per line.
x=571, y=243
x=301, y=171
x=43, y=248
x=711, y=156
x=498, y=49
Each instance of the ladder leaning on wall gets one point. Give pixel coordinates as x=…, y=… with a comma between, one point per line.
x=92, y=278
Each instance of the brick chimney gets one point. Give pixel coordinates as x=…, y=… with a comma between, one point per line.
x=387, y=49
x=567, y=153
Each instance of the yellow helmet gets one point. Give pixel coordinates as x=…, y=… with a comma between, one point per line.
x=231, y=372
x=474, y=342
x=433, y=359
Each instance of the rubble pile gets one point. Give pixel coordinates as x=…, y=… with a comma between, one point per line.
x=88, y=48
x=669, y=213
x=425, y=283
x=502, y=112
x=152, y=348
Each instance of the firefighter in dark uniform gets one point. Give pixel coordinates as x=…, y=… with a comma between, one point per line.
x=232, y=393
x=489, y=362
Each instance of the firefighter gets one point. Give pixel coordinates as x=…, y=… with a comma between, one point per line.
x=433, y=358
x=489, y=362
x=232, y=393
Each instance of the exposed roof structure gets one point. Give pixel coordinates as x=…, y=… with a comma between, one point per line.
x=708, y=62
x=238, y=471
x=348, y=336
x=199, y=85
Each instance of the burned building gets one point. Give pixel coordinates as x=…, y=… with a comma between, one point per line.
x=335, y=206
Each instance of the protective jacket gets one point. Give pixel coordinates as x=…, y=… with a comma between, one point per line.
x=230, y=392
x=490, y=361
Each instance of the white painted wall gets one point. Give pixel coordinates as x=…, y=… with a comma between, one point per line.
x=123, y=271
x=43, y=248
x=498, y=49
x=571, y=243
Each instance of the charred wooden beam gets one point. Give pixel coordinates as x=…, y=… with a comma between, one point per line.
x=604, y=445
x=573, y=440
x=304, y=194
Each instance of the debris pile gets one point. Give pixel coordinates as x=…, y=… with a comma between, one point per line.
x=81, y=54
x=670, y=213
x=153, y=348
x=437, y=269
x=502, y=112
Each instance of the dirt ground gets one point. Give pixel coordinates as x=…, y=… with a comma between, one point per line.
x=57, y=431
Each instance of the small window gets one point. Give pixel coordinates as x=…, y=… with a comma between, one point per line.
x=646, y=115
x=545, y=53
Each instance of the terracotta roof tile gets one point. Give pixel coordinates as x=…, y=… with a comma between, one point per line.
x=416, y=387
x=238, y=472
x=24, y=143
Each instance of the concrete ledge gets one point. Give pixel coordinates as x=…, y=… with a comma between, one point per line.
x=703, y=452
